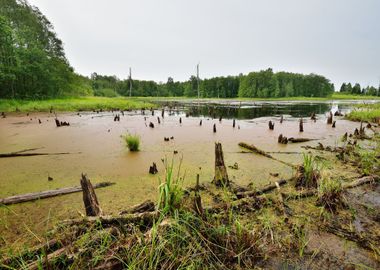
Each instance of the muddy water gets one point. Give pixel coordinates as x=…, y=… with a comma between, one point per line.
x=97, y=148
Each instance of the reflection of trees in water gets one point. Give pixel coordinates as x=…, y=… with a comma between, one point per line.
x=261, y=110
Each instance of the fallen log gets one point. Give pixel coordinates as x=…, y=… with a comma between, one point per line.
x=15, y=154
x=147, y=206
x=299, y=140
x=47, y=194
x=263, y=153
x=263, y=190
x=145, y=218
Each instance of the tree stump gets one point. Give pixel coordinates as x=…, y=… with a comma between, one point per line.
x=214, y=128
x=153, y=169
x=158, y=120
x=90, y=200
x=180, y=120
x=200, y=123
x=333, y=124
x=281, y=119
x=301, y=125
x=221, y=176
x=162, y=113
x=233, y=123
x=271, y=125
x=330, y=119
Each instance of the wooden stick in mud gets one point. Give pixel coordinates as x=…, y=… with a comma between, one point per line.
x=91, y=203
x=263, y=190
x=47, y=194
x=15, y=154
x=198, y=200
x=263, y=153
x=221, y=176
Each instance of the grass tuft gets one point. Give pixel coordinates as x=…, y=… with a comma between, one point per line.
x=133, y=142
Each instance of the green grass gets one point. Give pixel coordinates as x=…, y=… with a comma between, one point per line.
x=133, y=142
x=73, y=104
x=365, y=112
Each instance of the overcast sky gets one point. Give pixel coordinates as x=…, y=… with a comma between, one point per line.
x=159, y=38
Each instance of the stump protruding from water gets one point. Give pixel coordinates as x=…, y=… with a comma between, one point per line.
x=116, y=118
x=90, y=200
x=214, y=128
x=200, y=122
x=330, y=119
x=158, y=120
x=162, y=113
x=153, y=168
x=180, y=120
x=313, y=116
x=60, y=123
x=301, y=125
x=281, y=119
x=282, y=139
x=233, y=123
x=271, y=125
x=220, y=118
x=3, y=115
x=221, y=176
x=333, y=124
x=151, y=125
x=166, y=139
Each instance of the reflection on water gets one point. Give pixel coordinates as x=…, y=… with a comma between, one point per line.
x=250, y=110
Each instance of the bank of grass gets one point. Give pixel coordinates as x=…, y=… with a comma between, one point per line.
x=365, y=112
x=73, y=104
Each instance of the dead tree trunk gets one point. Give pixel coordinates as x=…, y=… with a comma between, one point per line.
x=301, y=125
x=214, y=128
x=221, y=176
x=233, y=123
x=89, y=198
x=330, y=119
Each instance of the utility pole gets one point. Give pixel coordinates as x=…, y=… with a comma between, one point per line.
x=130, y=82
x=198, y=79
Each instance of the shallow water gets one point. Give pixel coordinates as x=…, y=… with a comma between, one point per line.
x=97, y=148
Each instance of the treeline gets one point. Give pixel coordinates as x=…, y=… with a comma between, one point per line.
x=32, y=59
x=262, y=84
x=358, y=90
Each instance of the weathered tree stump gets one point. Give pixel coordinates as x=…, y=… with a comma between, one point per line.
x=301, y=125
x=282, y=139
x=151, y=125
x=313, y=116
x=281, y=119
x=90, y=200
x=233, y=123
x=180, y=120
x=153, y=169
x=200, y=122
x=220, y=119
x=221, y=176
x=271, y=125
x=214, y=128
x=57, y=123
x=333, y=124
x=158, y=120
x=330, y=119
x=162, y=113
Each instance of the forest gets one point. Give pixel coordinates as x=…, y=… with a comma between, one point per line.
x=33, y=65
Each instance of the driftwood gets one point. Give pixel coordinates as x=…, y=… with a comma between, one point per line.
x=263, y=190
x=263, y=153
x=312, y=192
x=221, y=176
x=47, y=194
x=147, y=206
x=299, y=140
x=45, y=264
x=145, y=218
x=15, y=154
x=91, y=203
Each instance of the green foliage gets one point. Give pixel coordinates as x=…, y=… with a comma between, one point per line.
x=32, y=59
x=367, y=161
x=311, y=167
x=170, y=191
x=367, y=112
x=133, y=142
x=105, y=92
